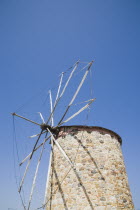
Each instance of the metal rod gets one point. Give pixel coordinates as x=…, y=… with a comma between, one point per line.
x=77, y=91
x=14, y=114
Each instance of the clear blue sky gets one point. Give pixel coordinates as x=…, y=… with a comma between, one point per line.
x=39, y=39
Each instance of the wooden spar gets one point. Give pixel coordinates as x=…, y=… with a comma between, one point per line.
x=76, y=65
x=48, y=173
x=42, y=118
x=60, y=148
x=50, y=160
x=35, y=150
x=52, y=120
x=14, y=114
x=59, y=87
x=80, y=110
x=82, y=68
x=77, y=91
x=37, y=134
x=71, y=74
x=22, y=181
x=35, y=176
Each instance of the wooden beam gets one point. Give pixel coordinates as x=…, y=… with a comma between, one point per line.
x=14, y=114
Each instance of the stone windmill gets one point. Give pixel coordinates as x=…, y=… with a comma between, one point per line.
x=86, y=168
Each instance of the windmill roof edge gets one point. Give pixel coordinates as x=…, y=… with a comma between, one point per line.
x=93, y=128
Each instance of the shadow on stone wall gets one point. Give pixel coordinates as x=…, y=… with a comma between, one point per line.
x=92, y=159
x=60, y=189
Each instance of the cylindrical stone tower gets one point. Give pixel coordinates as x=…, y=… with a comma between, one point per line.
x=98, y=180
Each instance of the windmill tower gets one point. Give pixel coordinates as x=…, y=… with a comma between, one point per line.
x=95, y=178
x=86, y=168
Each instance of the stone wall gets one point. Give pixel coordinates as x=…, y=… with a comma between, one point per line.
x=99, y=180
